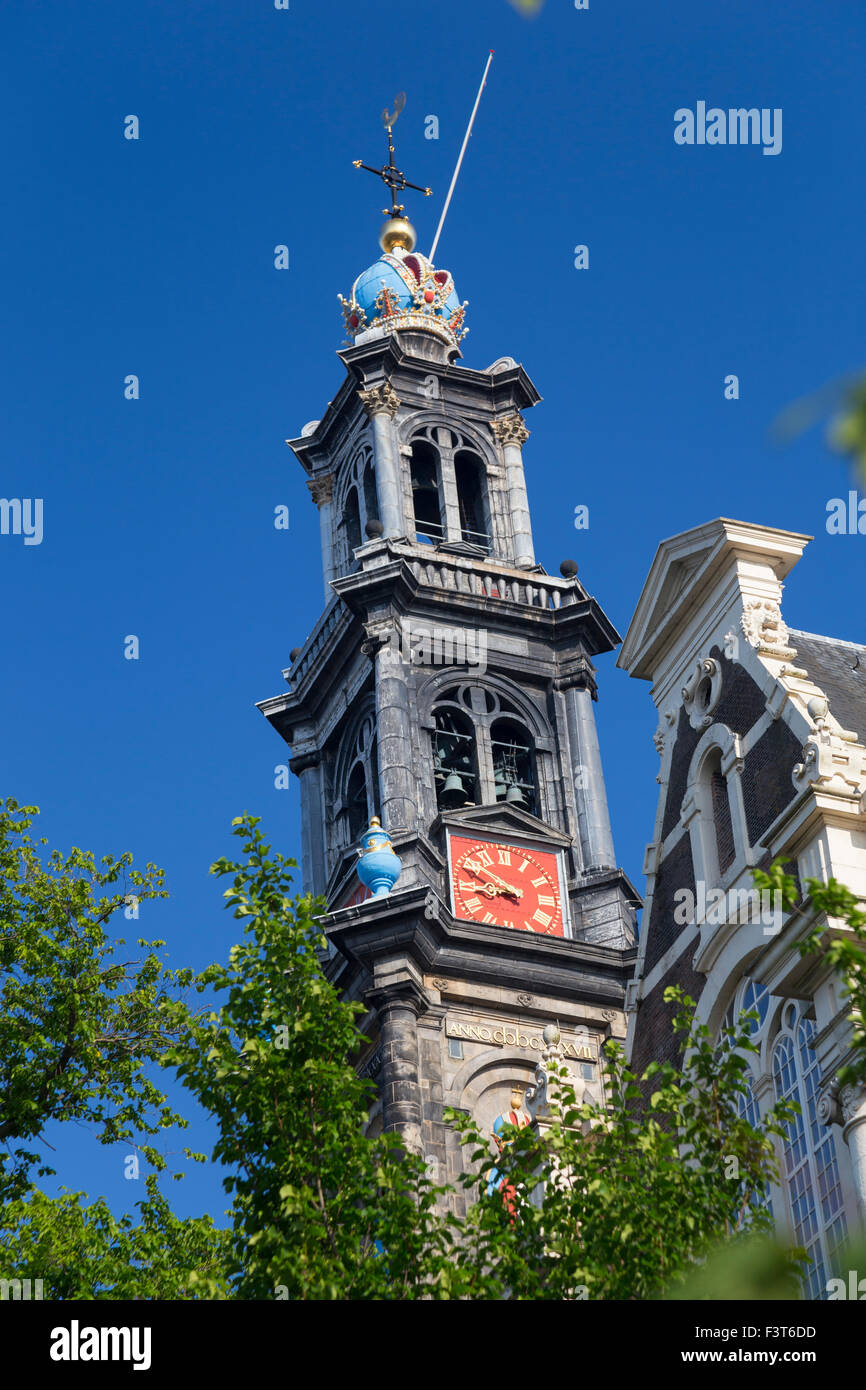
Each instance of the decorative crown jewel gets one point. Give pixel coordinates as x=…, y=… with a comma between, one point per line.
x=418, y=296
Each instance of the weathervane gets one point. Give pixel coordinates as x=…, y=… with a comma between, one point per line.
x=397, y=231
x=390, y=175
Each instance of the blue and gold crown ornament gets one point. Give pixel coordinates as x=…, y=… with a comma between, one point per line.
x=402, y=289
x=378, y=866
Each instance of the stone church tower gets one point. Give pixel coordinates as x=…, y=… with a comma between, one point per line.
x=447, y=689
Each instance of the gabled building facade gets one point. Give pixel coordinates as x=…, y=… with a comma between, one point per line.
x=762, y=746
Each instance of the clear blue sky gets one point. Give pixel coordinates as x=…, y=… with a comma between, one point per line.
x=155, y=257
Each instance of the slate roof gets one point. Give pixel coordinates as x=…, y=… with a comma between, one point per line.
x=839, y=668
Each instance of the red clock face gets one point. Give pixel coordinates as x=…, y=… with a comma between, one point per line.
x=505, y=885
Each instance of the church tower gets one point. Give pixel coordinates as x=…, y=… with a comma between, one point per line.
x=447, y=691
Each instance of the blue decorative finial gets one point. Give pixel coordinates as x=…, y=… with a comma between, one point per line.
x=378, y=866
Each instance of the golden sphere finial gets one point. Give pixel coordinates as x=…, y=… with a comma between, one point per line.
x=397, y=232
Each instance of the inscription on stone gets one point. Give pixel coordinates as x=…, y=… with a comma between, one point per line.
x=584, y=1048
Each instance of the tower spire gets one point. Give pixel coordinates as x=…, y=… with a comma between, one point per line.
x=398, y=230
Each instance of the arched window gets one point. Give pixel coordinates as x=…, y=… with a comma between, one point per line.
x=455, y=768
x=747, y=1108
x=481, y=742
x=717, y=816
x=513, y=763
x=755, y=999
x=720, y=806
x=810, y=1171
x=425, y=492
x=469, y=476
x=356, y=801
x=750, y=997
x=358, y=774
x=371, y=503
x=352, y=521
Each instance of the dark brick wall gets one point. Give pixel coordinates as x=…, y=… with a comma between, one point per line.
x=687, y=740
x=654, y=1037
x=741, y=705
x=767, y=785
x=675, y=872
x=742, y=702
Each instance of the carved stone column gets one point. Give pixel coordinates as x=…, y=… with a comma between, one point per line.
x=846, y=1106
x=511, y=433
x=307, y=768
x=322, y=490
x=854, y=1133
x=398, y=1011
x=593, y=817
x=394, y=729
x=381, y=404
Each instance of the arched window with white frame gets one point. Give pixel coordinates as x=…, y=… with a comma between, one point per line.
x=810, y=1169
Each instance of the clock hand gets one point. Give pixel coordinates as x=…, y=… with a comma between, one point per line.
x=500, y=882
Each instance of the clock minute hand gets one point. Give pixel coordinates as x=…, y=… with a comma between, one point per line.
x=500, y=882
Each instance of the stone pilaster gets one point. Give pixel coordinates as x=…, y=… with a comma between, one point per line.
x=398, y=1011
x=593, y=817
x=853, y=1102
x=395, y=731
x=307, y=768
x=381, y=404
x=322, y=490
x=511, y=434
x=430, y=1032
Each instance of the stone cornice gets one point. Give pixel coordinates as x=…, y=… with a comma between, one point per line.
x=685, y=571
x=415, y=923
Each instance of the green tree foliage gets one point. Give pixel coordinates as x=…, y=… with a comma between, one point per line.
x=320, y=1211
x=837, y=930
x=632, y=1200
x=80, y=1018
x=84, y=1252
x=847, y=431
x=83, y=1021
x=842, y=404
x=610, y=1203
x=621, y=1201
